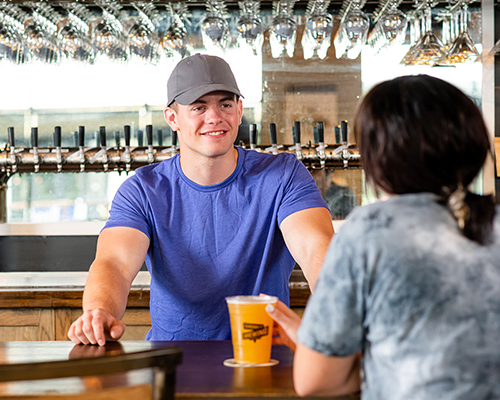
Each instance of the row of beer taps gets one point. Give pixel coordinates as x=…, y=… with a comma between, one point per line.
x=127, y=157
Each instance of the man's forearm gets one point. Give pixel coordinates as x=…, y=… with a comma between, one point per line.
x=106, y=288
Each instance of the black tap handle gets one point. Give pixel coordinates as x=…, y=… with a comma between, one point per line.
x=252, y=132
x=149, y=134
x=160, y=137
x=57, y=136
x=117, y=138
x=174, y=138
x=272, y=133
x=12, y=141
x=315, y=135
x=81, y=136
x=337, y=134
x=296, y=131
x=343, y=129
x=321, y=132
x=140, y=138
x=34, y=137
x=102, y=135
x=126, y=135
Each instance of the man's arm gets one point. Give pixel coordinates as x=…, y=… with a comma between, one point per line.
x=120, y=254
x=307, y=234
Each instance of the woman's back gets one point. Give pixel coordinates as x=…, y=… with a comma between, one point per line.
x=426, y=296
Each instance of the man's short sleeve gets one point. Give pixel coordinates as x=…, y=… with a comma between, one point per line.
x=300, y=191
x=130, y=207
x=333, y=319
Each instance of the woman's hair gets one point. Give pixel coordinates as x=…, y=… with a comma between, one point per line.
x=422, y=134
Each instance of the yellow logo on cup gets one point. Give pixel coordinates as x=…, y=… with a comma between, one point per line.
x=256, y=331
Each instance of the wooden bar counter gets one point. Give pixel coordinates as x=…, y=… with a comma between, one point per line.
x=201, y=375
x=46, y=313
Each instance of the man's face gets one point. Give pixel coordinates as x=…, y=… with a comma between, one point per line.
x=209, y=126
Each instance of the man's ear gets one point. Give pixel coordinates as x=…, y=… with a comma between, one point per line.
x=171, y=118
x=240, y=110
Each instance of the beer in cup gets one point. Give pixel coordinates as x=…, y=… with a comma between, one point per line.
x=251, y=329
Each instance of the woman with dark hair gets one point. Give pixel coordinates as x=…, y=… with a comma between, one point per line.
x=407, y=305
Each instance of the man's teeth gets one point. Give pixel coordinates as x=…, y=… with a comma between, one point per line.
x=214, y=133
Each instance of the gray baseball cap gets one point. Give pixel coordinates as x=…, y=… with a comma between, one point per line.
x=198, y=75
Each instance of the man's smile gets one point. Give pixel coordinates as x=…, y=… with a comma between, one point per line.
x=216, y=133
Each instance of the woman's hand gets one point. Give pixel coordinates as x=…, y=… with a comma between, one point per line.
x=287, y=323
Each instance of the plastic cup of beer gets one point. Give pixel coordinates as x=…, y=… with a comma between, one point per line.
x=251, y=330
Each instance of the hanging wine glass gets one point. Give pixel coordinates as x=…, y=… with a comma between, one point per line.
x=283, y=29
x=249, y=26
x=74, y=36
x=11, y=39
x=462, y=49
x=214, y=27
x=40, y=35
x=415, y=34
x=107, y=35
x=318, y=30
x=353, y=34
x=390, y=28
x=429, y=49
x=176, y=40
x=143, y=41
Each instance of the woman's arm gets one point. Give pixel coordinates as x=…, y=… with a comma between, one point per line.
x=314, y=373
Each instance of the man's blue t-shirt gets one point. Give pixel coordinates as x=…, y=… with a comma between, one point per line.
x=210, y=242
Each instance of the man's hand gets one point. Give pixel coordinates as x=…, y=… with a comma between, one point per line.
x=96, y=327
x=287, y=324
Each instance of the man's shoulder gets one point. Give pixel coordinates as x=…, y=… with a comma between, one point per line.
x=153, y=171
x=263, y=160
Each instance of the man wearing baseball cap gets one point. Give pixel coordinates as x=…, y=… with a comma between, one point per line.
x=213, y=221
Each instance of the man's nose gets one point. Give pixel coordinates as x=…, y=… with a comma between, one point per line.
x=213, y=115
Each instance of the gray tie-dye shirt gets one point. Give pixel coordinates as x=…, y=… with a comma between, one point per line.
x=421, y=301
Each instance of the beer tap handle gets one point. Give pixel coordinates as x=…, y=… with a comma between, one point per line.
x=337, y=134
x=149, y=134
x=34, y=145
x=272, y=133
x=140, y=138
x=296, y=131
x=345, y=151
x=81, y=145
x=274, y=140
x=320, y=128
x=149, y=139
x=126, y=156
x=103, y=153
x=321, y=132
x=102, y=135
x=57, y=136
x=117, y=139
x=57, y=144
x=34, y=137
x=81, y=136
x=126, y=135
x=160, y=137
x=296, y=140
x=174, y=138
x=12, y=141
x=252, y=132
x=343, y=129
